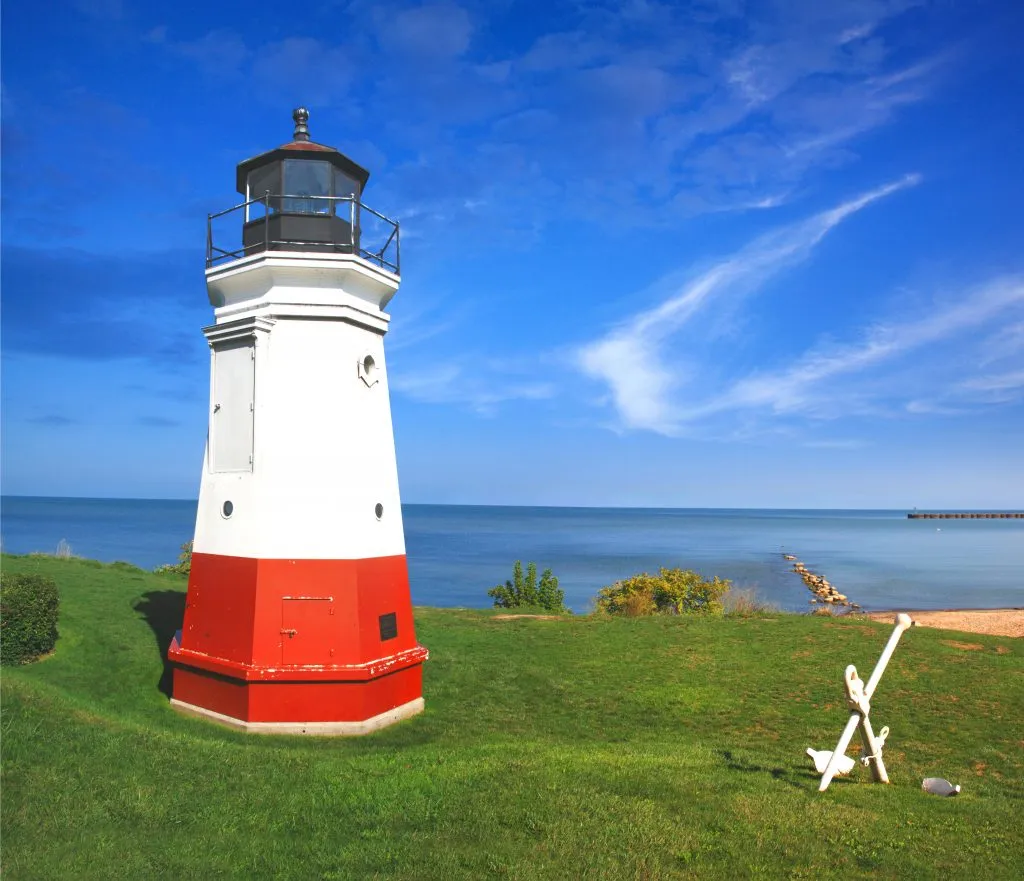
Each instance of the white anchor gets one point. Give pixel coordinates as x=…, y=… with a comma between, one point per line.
x=858, y=697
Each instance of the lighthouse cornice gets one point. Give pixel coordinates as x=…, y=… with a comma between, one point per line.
x=270, y=311
x=301, y=279
x=309, y=259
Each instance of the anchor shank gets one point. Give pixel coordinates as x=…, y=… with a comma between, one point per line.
x=902, y=623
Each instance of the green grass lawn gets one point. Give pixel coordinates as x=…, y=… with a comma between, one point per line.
x=571, y=748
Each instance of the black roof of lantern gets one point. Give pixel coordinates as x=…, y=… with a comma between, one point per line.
x=301, y=147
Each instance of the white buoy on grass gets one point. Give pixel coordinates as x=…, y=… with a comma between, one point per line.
x=940, y=786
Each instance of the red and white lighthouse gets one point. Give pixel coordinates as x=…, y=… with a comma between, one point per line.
x=298, y=617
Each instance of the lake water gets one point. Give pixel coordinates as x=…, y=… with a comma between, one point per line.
x=880, y=559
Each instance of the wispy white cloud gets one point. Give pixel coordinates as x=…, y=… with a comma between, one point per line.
x=110, y=10
x=433, y=31
x=930, y=364
x=836, y=444
x=421, y=320
x=1006, y=342
x=460, y=385
x=218, y=53
x=703, y=116
x=630, y=360
x=931, y=408
x=996, y=383
x=431, y=384
x=858, y=32
x=808, y=386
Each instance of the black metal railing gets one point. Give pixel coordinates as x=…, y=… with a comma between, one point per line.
x=321, y=224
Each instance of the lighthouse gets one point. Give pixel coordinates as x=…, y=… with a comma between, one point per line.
x=298, y=618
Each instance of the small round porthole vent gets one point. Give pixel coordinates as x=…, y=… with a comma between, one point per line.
x=378, y=511
x=367, y=369
x=227, y=509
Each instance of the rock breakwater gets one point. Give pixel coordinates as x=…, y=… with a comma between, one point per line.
x=966, y=515
x=824, y=591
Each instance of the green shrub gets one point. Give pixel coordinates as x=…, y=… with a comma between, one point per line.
x=671, y=592
x=523, y=590
x=28, y=617
x=184, y=564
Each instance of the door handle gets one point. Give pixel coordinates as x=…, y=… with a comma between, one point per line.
x=290, y=633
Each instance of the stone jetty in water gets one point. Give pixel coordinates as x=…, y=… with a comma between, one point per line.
x=966, y=515
x=824, y=591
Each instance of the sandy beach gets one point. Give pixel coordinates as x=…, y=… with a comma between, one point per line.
x=994, y=622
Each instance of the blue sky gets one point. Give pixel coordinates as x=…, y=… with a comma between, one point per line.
x=666, y=254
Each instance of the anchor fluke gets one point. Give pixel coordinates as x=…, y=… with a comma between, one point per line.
x=822, y=757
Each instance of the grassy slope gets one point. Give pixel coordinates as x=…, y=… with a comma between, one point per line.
x=576, y=748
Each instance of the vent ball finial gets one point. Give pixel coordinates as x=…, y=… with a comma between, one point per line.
x=301, y=117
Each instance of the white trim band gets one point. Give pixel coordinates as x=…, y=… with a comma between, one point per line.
x=321, y=729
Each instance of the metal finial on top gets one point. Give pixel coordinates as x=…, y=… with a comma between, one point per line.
x=301, y=117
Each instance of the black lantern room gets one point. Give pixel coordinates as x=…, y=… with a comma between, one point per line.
x=303, y=196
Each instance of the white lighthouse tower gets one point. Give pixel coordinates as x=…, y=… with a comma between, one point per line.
x=298, y=617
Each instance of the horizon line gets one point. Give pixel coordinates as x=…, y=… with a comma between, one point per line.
x=622, y=507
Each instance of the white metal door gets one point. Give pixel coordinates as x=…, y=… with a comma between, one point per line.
x=231, y=422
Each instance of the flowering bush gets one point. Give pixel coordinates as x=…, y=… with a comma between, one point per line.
x=671, y=592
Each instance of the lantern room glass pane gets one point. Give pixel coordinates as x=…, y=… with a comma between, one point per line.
x=261, y=181
x=305, y=178
x=344, y=185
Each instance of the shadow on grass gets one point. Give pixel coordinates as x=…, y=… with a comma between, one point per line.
x=164, y=610
x=795, y=778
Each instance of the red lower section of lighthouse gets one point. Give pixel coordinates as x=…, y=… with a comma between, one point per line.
x=270, y=643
